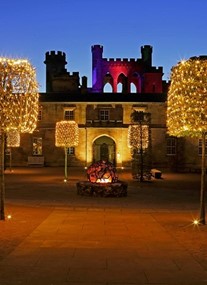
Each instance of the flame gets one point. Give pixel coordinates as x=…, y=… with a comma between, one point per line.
x=103, y=180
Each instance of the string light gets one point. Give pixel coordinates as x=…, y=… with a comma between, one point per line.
x=13, y=138
x=18, y=95
x=138, y=134
x=187, y=109
x=66, y=134
x=19, y=100
x=187, y=98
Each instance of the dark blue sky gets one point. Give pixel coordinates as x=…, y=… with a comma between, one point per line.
x=176, y=29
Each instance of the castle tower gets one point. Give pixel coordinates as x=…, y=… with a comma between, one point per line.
x=55, y=66
x=146, y=52
x=97, y=77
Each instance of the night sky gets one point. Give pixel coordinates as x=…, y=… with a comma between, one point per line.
x=177, y=29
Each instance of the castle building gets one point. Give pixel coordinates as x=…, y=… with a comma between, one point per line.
x=103, y=117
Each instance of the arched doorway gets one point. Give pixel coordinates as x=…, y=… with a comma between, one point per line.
x=104, y=148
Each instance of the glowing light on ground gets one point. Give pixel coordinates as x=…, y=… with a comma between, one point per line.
x=195, y=222
x=9, y=217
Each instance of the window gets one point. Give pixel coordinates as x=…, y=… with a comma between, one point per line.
x=133, y=88
x=104, y=115
x=200, y=147
x=71, y=151
x=108, y=88
x=37, y=146
x=171, y=146
x=69, y=115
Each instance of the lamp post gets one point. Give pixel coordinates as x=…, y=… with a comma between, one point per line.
x=187, y=111
x=138, y=137
x=19, y=100
x=86, y=148
x=66, y=135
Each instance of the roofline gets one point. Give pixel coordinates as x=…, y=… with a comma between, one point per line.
x=102, y=98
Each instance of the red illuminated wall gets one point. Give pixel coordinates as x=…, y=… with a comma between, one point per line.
x=140, y=72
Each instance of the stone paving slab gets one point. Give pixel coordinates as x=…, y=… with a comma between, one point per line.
x=73, y=247
x=56, y=237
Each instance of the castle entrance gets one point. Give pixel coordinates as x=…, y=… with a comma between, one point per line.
x=104, y=148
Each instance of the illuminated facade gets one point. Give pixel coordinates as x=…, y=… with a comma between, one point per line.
x=103, y=117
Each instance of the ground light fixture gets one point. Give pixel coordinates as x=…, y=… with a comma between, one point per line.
x=9, y=217
x=195, y=222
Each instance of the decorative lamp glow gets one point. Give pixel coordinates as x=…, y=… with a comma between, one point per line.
x=187, y=107
x=66, y=135
x=19, y=100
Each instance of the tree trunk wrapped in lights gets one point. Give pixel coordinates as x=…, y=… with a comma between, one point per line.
x=187, y=108
x=12, y=140
x=18, y=105
x=66, y=135
x=138, y=136
x=138, y=141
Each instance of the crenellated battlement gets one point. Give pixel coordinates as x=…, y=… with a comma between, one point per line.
x=122, y=71
x=97, y=47
x=55, y=54
x=57, y=76
x=55, y=57
x=130, y=61
x=157, y=69
x=121, y=60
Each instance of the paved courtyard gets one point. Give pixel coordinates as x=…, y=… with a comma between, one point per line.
x=56, y=237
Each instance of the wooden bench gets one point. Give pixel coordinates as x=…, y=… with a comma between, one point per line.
x=37, y=161
x=156, y=173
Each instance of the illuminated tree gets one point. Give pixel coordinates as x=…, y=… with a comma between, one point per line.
x=138, y=140
x=66, y=135
x=18, y=106
x=187, y=108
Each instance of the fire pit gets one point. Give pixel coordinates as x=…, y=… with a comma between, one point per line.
x=102, y=181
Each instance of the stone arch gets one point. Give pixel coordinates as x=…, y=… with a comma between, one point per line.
x=133, y=88
x=108, y=88
x=104, y=148
x=108, y=83
x=122, y=79
x=136, y=80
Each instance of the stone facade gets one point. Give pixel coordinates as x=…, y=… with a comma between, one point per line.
x=104, y=118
